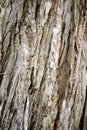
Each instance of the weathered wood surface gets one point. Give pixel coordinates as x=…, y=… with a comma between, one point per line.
x=43, y=59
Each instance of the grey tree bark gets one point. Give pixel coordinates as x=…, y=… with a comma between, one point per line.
x=43, y=64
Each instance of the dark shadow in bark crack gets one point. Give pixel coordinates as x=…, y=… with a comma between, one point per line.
x=81, y=125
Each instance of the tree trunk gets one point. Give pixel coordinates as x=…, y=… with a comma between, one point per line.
x=43, y=63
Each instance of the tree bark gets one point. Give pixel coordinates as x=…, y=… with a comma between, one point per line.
x=43, y=64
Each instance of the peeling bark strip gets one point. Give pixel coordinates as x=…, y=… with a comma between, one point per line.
x=42, y=64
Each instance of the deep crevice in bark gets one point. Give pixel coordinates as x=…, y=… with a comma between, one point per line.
x=81, y=126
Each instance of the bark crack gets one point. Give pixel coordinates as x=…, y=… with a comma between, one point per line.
x=81, y=126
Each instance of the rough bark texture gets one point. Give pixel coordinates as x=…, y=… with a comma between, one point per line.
x=43, y=64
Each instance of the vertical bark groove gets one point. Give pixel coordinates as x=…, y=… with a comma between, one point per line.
x=42, y=64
